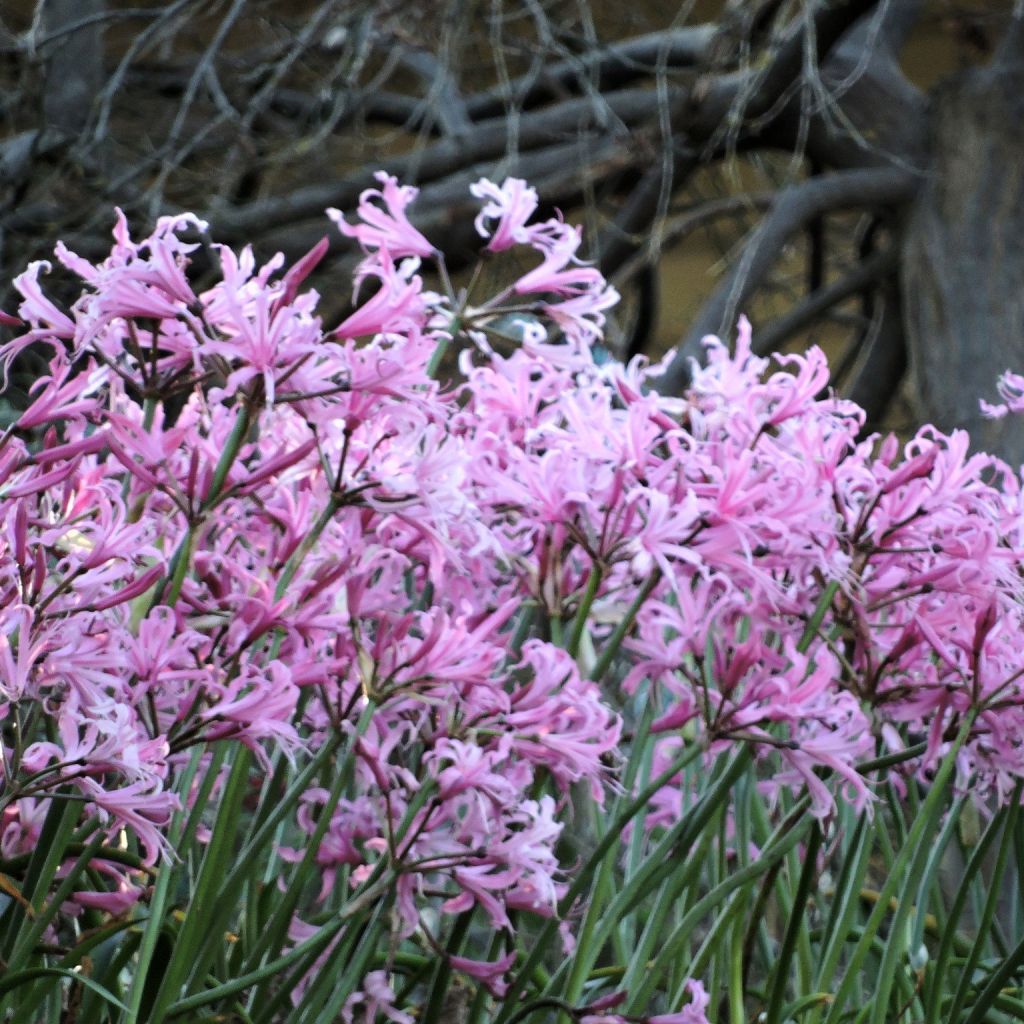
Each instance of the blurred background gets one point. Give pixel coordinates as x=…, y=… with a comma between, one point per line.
x=848, y=173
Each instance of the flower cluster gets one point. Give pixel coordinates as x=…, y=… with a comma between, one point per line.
x=225, y=520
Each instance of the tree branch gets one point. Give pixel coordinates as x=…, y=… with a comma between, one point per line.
x=612, y=67
x=486, y=144
x=773, y=336
x=716, y=102
x=793, y=209
x=683, y=224
x=884, y=362
x=748, y=96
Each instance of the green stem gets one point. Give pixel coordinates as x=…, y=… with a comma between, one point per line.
x=183, y=555
x=28, y=941
x=793, y=927
x=308, y=542
x=583, y=877
x=442, y=971
x=817, y=617
x=232, y=447
x=736, y=1007
x=158, y=900
x=614, y=642
x=1009, y=816
x=439, y=352
x=580, y=622
x=314, y=944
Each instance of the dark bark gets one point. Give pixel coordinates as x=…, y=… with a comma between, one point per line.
x=771, y=338
x=879, y=117
x=884, y=362
x=963, y=253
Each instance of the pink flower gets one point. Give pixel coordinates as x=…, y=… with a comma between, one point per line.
x=1011, y=390
x=385, y=229
x=560, y=272
x=511, y=204
x=397, y=306
x=258, y=704
x=62, y=395
x=16, y=665
x=492, y=974
x=693, y=1013
x=379, y=998
x=142, y=806
x=46, y=319
x=560, y=721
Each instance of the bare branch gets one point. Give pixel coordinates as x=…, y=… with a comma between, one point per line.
x=678, y=227
x=772, y=336
x=883, y=364
x=487, y=143
x=795, y=207
x=609, y=67
x=444, y=97
x=746, y=97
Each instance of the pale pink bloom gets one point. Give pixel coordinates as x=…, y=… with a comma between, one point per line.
x=376, y=997
x=511, y=204
x=144, y=279
x=560, y=721
x=664, y=526
x=21, y=825
x=257, y=704
x=141, y=806
x=471, y=768
x=39, y=311
x=1011, y=390
x=353, y=823
x=258, y=333
x=299, y=271
x=581, y=317
x=116, y=902
x=16, y=621
x=61, y=396
x=695, y=1012
x=397, y=306
x=560, y=272
x=385, y=226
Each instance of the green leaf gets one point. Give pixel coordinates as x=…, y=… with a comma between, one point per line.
x=1008, y=816
x=9, y=982
x=789, y=833
x=204, y=922
x=780, y=975
x=938, y=974
x=913, y=854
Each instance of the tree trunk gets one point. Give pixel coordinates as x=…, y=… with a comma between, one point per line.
x=963, y=252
